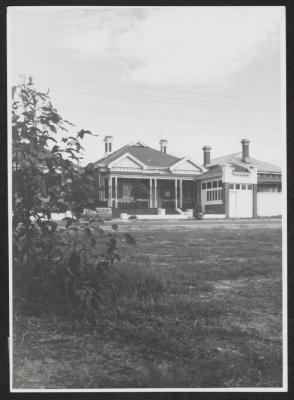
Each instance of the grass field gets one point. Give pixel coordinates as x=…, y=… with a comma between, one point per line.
x=217, y=322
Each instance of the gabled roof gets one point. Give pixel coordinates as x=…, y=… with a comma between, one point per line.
x=148, y=156
x=128, y=156
x=187, y=160
x=236, y=160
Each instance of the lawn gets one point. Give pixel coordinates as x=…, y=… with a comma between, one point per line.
x=217, y=322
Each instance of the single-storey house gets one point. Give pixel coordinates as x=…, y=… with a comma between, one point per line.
x=138, y=177
x=169, y=180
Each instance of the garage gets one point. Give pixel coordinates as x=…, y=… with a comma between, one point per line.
x=241, y=201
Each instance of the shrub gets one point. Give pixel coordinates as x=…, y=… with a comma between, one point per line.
x=76, y=271
x=71, y=270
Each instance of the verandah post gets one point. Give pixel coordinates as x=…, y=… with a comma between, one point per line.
x=155, y=193
x=150, y=193
x=115, y=187
x=110, y=191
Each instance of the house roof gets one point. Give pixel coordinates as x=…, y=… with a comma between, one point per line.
x=211, y=173
x=145, y=154
x=236, y=160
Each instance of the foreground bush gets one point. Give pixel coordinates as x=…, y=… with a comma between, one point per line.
x=77, y=271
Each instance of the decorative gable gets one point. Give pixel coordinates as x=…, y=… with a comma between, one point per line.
x=186, y=166
x=127, y=162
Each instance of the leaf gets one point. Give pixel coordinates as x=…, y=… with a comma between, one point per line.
x=47, y=109
x=29, y=114
x=53, y=128
x=71, y=151
x=55, y=148
x=55, y=117
x=69, y=123
x=81, y=134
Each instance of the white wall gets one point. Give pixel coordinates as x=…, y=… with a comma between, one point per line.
x=230, y=176
x=269, y=204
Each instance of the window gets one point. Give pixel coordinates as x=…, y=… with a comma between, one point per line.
x=268, y=188
x=213, y=191
x=243, y=186
x=232, y=186
x=213, y=195
x=249, y=187
x=237, y=186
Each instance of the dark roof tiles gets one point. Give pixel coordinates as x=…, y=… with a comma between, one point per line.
x=146, y=155
x=211, y=173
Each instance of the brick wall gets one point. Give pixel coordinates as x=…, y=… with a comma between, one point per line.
x=214, y=209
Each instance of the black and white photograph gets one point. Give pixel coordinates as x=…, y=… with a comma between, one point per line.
x=147, y=198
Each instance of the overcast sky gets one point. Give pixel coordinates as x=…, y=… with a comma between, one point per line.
x=191, y=75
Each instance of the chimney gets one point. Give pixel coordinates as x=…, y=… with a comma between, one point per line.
x=206, y=155
x=163, y=145
x=108, y=145
x=245, y=150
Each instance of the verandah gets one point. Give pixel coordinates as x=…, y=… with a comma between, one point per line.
x=162, y=192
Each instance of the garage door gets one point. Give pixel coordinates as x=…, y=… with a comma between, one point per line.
x=241, y=203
